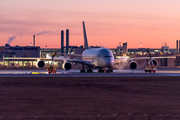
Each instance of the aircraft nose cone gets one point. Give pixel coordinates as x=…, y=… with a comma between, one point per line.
x=108, y=62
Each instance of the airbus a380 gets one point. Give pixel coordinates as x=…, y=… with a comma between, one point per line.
x=101, y=58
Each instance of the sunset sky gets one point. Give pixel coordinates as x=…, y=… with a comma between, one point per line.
x=108, y=22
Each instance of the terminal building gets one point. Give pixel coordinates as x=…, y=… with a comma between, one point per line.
x=18, y=51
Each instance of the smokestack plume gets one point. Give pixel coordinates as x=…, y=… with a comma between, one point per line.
x=177, y=46
x=34, y=40
x=62, y=41
x=11, y=39
x=67, y=40
x=42, y=32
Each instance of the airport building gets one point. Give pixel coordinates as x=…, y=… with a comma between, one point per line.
x=18, y=51
x=37, y=52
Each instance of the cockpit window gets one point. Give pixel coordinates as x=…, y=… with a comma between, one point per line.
x=107, y=56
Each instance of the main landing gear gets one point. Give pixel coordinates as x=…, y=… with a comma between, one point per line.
x=88, y=71
x=101, y=70
x=82, y=71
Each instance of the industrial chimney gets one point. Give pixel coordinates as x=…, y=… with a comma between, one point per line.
x=34, y=40
x=177, y=50
x=62, y=41
x=125, y=50
x=179, y=47
x=67, y=40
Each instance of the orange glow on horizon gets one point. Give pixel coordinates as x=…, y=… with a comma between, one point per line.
x=151, y=23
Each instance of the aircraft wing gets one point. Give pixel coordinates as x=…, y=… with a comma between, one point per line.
x=87, y=63
x=24, y=58
x=121, y=59
x=29, y=58
x=126, y=58
x=139, y=58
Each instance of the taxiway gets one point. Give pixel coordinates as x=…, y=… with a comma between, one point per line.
x=76, y=73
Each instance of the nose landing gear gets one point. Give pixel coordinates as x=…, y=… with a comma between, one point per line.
x=105, y=70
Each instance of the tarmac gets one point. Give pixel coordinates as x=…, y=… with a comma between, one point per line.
x=69, y=93
x=76, y=73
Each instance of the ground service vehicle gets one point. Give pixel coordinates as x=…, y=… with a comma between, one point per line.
x=151, y=69
x=51, y=69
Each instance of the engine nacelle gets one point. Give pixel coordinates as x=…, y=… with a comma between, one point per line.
x=153, y=62
x=66, y=66
x=40, y=64
x=133, y=65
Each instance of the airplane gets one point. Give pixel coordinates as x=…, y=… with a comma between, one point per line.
x=100, y=58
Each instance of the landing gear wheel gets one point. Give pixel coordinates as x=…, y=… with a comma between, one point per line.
x=100, y=71
x=89, y=71
x=108, y=71
x=82, y=71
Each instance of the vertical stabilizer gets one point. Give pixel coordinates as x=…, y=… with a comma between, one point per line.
x=85, y=37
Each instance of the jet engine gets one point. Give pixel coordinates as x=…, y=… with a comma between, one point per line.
x=66, y=66
x=133, y=65
x=40, y=64
x=153, y=62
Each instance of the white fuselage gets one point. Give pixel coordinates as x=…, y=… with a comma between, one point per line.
x=101, y=57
